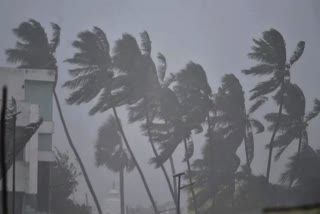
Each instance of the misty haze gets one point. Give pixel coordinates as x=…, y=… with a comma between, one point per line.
x=159, y=107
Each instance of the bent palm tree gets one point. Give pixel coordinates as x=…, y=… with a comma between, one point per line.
x=271, y=55
x=141, y=86
x=232, y=119
x=110, y=153
x=300, y=172
x=95, y=73
x=294, y=122
x=34, y=51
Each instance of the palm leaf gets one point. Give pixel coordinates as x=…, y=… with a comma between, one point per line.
x=315, y=111
x=249, y=141
x=264, y=88
x=162, y=67
x=297, y=53
x=257, y=125
x=126, y=53
x=145, y=43
x=259, y=70
x=271, y=49
x=258, y=103
x=55, y=37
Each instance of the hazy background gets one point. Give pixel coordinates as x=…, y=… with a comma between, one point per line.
x=216, y=34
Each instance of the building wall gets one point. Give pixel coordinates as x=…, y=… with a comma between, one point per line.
x=32, y=90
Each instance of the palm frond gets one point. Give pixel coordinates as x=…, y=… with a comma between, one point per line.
x=55, y=37
x=264, y=88
x=315, y=111
x=145, y=43
x=162, y=67
x=260, y=69
x=283, y=140
x=271, y=49
x=257, y=125
x=126, y=53
x=249, y=141
x=297, y=53
x=258, y=103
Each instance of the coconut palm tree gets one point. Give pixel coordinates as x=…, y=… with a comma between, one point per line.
x=300, y=172
x=271, y=55
x=33, y=50
x=184, y=110
x=111, y=154
x=294, y=121
x=94, y=75
x=232, y=119
x=141, y=85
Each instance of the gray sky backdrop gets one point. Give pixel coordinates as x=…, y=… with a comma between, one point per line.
x=216, y=34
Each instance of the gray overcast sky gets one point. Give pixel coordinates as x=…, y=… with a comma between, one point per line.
x=216, y=34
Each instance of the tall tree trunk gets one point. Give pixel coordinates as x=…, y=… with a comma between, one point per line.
x=122, y=207
x=157, y=155
x=173, y=170
x=246, y=148
x=135, y=162
x=276, y=127
x=194, y=199
x=74, y=150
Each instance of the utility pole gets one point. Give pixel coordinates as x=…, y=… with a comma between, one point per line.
x=179, y=188
x=14, y=160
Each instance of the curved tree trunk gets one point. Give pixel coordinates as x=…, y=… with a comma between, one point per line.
x=173, y=170
x=135, y=162
x=74, y=150
x=121, y=175
x=276, y=127
x=194, y=199
x=157, y=155
x=246, y=149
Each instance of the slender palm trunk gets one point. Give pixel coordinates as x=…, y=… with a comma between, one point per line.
x=121, y=175
x=194, y=199
x=74, y=150
x=157, y=155
x=276, y=127
x=135, y=162
x=246, y=148
x=173, y=171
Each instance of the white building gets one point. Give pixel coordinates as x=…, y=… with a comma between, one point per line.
x=32, y=90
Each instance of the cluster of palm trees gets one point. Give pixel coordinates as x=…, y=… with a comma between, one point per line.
x=171, y=108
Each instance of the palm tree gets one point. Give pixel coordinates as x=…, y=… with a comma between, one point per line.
x=301, y=172
x=35, y=51
x=110, y=153
x=271, y=55
x=141, y=84
x=214, y=173
x=95, y=73
x=294, y=122
x=184, y=110
x=232, y=119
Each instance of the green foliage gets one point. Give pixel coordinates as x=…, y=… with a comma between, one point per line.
x=64, y=185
